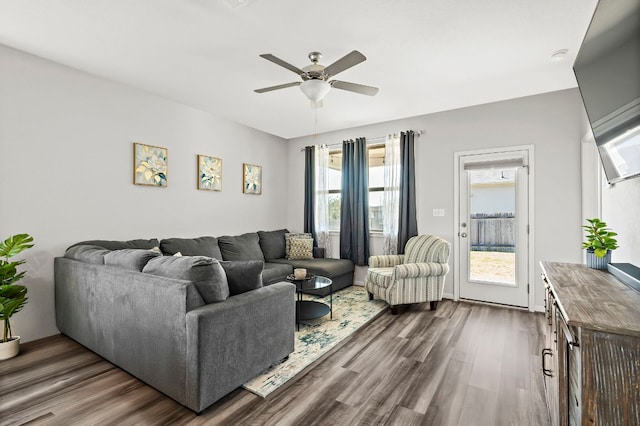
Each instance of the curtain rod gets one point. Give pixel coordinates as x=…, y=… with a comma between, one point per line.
x=370, y=140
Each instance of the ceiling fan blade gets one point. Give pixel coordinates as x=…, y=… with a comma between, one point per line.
x=278, y=61
x=280, y=86
x=346, y=62
x=354, y=87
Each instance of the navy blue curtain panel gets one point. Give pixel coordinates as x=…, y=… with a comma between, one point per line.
x=354, y=208
x=407, y=222
x=309, y=190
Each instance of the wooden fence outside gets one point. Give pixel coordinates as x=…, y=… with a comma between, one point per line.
x=492, y=232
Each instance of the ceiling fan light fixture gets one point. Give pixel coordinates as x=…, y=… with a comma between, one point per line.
x=315, y=89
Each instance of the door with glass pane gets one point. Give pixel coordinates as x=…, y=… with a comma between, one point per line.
x=493, y=227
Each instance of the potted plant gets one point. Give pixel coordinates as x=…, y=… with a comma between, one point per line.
x=13, y=296
x=600, y=242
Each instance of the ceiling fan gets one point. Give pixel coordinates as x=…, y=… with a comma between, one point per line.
x=316, y=81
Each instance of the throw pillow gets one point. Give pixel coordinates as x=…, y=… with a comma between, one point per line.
x=241, y=247
x=201, y=246
x=300, y=248
x=273, y=244
x=204, y=272
x=87, y=254
x=290, y=235
x=243, y=276
x=132, y=259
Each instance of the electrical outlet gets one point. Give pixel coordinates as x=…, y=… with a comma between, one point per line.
x=438, y=212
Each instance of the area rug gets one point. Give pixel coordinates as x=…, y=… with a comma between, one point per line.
x=351, y=310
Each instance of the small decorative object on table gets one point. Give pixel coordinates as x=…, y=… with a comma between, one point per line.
x=599, y=244
x=13, y=297
x=299, y=273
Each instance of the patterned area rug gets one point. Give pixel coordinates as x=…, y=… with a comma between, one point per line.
x=351, y=310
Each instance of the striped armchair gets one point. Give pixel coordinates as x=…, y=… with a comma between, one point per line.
x=414, y=277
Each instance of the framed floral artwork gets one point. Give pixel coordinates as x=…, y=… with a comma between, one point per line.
x=251, y=179
x=150, y=165
x=209, y=173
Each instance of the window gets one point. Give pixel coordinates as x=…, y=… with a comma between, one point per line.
x=376, y=187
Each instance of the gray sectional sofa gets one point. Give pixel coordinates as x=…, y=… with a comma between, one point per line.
x=267, y=246
x=182, y=325
x=196, y=326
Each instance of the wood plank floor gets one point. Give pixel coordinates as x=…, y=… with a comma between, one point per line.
x=464, y=364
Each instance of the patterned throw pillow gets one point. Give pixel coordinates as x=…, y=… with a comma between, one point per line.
x=290, y=235
x=300, y=248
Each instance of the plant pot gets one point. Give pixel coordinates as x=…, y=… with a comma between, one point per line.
x=10, y=349
x=598, y=262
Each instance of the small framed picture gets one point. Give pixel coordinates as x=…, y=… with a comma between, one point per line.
x=209, y=173
x=150, y=165
x=251, y=179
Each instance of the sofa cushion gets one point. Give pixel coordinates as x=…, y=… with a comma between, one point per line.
x=132, y=259
x=205, y=273
x=330, y=268
x=119, y=245
x=274, y=272
x=241, y=247
x=273, y=244
x=243, y=275
x=300, y=248
x=87, y=253
x=201, y=246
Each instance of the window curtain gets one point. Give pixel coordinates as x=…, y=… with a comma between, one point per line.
x=309, y=190
x=354, y=208
x=407, y=222
x=391, y=195
x=321, y=224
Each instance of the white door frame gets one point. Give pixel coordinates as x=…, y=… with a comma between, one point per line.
x=456, y=219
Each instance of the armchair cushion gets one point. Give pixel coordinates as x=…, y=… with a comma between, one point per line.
x=415, y=270
x=384, y=261
x=382, y=277
x=426, y=248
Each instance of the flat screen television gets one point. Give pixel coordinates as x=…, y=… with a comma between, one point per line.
x=607, y=70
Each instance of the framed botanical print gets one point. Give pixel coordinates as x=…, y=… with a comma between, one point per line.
x=209, y=173
x=150, y=165
x=251, y=179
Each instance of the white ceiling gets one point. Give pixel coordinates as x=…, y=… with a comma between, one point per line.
x=424, y=55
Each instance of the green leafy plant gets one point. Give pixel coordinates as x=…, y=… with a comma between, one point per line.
x=13, y=297
x=599, y=237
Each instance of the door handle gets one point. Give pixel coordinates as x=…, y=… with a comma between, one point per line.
x=546, y=371
x=463, y=235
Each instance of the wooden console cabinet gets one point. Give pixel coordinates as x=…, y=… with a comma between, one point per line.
x=591, y=358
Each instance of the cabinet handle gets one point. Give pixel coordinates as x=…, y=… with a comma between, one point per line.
x=546, y=371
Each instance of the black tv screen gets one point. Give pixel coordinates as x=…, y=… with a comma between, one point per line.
x=607, y=70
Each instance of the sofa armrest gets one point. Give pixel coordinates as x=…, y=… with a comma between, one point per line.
x=231, y=342
x=319, y=252
x=415, y=270
x=386, y=261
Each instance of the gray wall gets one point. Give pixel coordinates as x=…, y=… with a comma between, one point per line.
x=551, y=122
x=66, y=170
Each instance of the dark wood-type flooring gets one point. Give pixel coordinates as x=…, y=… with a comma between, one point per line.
x=464, y=364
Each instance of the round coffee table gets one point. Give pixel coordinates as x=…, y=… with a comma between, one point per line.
x=311, y=309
